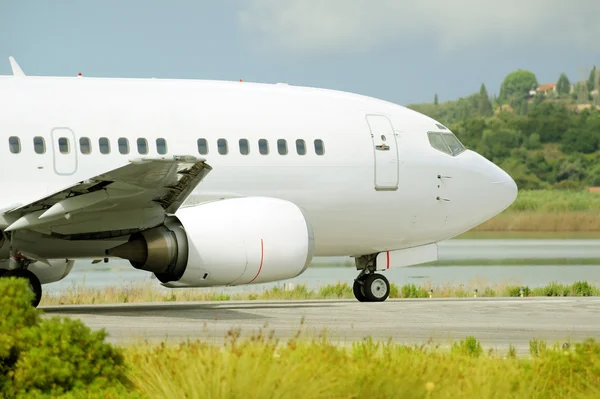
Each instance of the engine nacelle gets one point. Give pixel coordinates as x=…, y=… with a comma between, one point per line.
x=56, y=271
x=230, y=242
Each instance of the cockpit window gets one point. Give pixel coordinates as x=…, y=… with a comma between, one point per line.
x=455, y=146
x=437, y=142
x=445, y=142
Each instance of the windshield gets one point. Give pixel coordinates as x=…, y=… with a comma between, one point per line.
x=446, y=142
x=455, y=146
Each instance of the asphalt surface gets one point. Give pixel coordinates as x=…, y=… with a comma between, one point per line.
x=496, y=322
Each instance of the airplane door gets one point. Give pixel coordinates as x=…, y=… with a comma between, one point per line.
x=64, y=151
x=385, y=150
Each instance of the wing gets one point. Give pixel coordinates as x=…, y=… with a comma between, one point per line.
x=146, y=187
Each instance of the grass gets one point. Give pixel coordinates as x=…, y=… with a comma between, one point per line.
x=148, y=292
x=262, y=367
x=536, y=211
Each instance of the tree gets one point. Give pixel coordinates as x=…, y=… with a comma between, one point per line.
x=435, y=99
x=592, y=80
x=517, y=84
x=563, y=87
x=497, y=144
x=485, y=106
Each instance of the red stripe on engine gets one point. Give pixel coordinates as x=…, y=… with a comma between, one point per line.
x=388, y=260
x=262, y=256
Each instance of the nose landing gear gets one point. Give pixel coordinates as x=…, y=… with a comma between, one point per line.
x=370, y=286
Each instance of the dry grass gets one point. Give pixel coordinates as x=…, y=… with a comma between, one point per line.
x=261, y=367
x=549, y=211
x=148, y=292
x=536, y=221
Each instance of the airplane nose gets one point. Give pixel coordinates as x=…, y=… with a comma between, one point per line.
x=503, y=189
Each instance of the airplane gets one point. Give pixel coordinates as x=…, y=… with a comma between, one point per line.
x=224, y=183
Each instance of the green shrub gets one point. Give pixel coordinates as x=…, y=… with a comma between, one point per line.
x=582, y=288
x=412, y=291
x=469, y=346
x=51, y=357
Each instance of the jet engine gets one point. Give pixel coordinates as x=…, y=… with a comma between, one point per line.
x=229, y=242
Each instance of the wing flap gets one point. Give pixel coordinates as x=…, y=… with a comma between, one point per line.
x=163, y=183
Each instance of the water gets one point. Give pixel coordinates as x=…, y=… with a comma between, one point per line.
x=543, y=261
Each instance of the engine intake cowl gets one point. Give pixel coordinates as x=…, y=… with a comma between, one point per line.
x=230, y=242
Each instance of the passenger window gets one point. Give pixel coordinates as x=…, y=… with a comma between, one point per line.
x=455, y=146
x=319, y=147
x=300, y=147
x=142, y=145
x=14, y=144
x=282, y=146
x=39, y=145
x=63, y=145
x=436, y=141
x=244, y=147
x=85, y=146
x=202, y=146
x=161, y=146
x=123, y=146
x=104, y=145
x=222, y=146
x=263, y=146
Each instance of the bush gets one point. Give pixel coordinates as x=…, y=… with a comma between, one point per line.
x=411, y=291
x=582, y=288
x=469, y=346
x=516, y=291
x=50, y=357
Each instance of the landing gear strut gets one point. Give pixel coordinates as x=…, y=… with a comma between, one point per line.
x=34, y=282
x=370, y=286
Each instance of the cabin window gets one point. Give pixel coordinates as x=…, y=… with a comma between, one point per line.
x=455, y=146
x=123, y=146
x=85, y=145
x=14, y=144
x=161, y=146
x=222, y=146
x=244, y=147
x=282, y=147
x=436, y=141
x=319, y=147
x=142, y=145
x=104, y=145
x=63, y=145
x=39, y=145
x=300, y=147
x=202, y=146
x=263, y=146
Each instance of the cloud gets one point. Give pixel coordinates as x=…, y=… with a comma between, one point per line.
x=357, y=26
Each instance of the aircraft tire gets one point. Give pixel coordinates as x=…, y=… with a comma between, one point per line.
x=376, y=288
x=34, y=283
x=358, y=293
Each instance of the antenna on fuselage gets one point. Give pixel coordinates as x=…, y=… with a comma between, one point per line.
x=16, y=69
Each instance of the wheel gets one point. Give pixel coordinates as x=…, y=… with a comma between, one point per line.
x=357, y=288
x=34, y=283
x=2, y=271
x=376, y=288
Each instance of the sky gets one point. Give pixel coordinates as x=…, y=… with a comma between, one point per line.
x=396, y=50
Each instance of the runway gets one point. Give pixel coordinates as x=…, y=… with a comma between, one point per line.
x=496, y=322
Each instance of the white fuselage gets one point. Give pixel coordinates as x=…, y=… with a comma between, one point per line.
x=425, y=195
